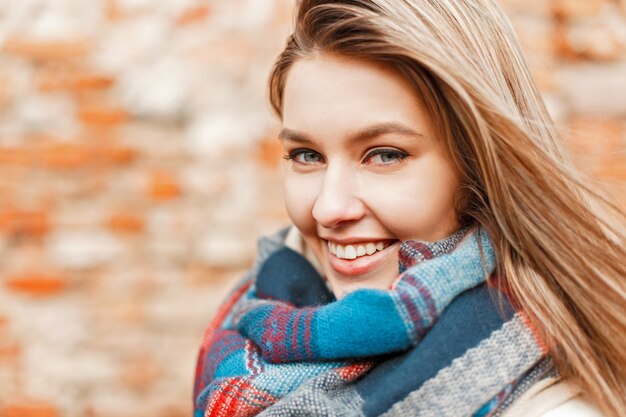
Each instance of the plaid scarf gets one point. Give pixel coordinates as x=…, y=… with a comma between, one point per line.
x=438, y=343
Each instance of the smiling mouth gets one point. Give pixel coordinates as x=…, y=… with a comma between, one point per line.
x=359, y=250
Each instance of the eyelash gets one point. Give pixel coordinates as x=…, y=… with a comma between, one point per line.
x=292, y=155
x=398, y=154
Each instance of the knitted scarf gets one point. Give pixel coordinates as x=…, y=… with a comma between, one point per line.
x=439, y=342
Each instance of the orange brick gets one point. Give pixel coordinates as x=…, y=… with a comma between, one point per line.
x=126, y=222
x=141, y=373
x=102, y=115
x=65, y=156
x=193, y=15
x=113, y=10
x=594, y=43
x=36, y=284
x=5, y=90
x=48, y=49
x=270, y=152
x=29, y=410
x=47, y=81
x=561, y=45
x=172, y=410
x=67, y=80
x=576, y=9
x=30, y=223
x=10, y=352
x=202, y=275
x=91, y=82
x=117, y=154
x=163, y=186
x=15, y=156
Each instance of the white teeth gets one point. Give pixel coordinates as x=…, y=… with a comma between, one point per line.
x=352, y=251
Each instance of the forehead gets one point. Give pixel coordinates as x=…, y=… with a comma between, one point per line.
x=329, y=91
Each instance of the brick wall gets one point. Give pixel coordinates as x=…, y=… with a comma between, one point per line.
x=138, y=164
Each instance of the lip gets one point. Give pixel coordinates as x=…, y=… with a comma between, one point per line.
x=361, y=265
x=356, y=241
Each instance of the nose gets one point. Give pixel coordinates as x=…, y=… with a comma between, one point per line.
x=337, y=201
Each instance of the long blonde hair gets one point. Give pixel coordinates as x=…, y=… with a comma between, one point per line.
x=564, y=265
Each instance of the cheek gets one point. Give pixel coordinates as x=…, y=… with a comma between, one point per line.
x=300, y=195
x=416, y=205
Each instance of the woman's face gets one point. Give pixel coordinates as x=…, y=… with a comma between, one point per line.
x=365, y=169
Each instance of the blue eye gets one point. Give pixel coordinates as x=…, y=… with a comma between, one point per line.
x=385, y=156
x=304, y=156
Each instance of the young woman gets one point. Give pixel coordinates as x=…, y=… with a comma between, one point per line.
x=445, y=258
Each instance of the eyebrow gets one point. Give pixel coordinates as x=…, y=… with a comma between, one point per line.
x=369, y=132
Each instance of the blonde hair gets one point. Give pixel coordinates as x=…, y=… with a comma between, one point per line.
x=564, y=265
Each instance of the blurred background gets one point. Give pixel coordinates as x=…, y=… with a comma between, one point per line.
x=139, y=164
